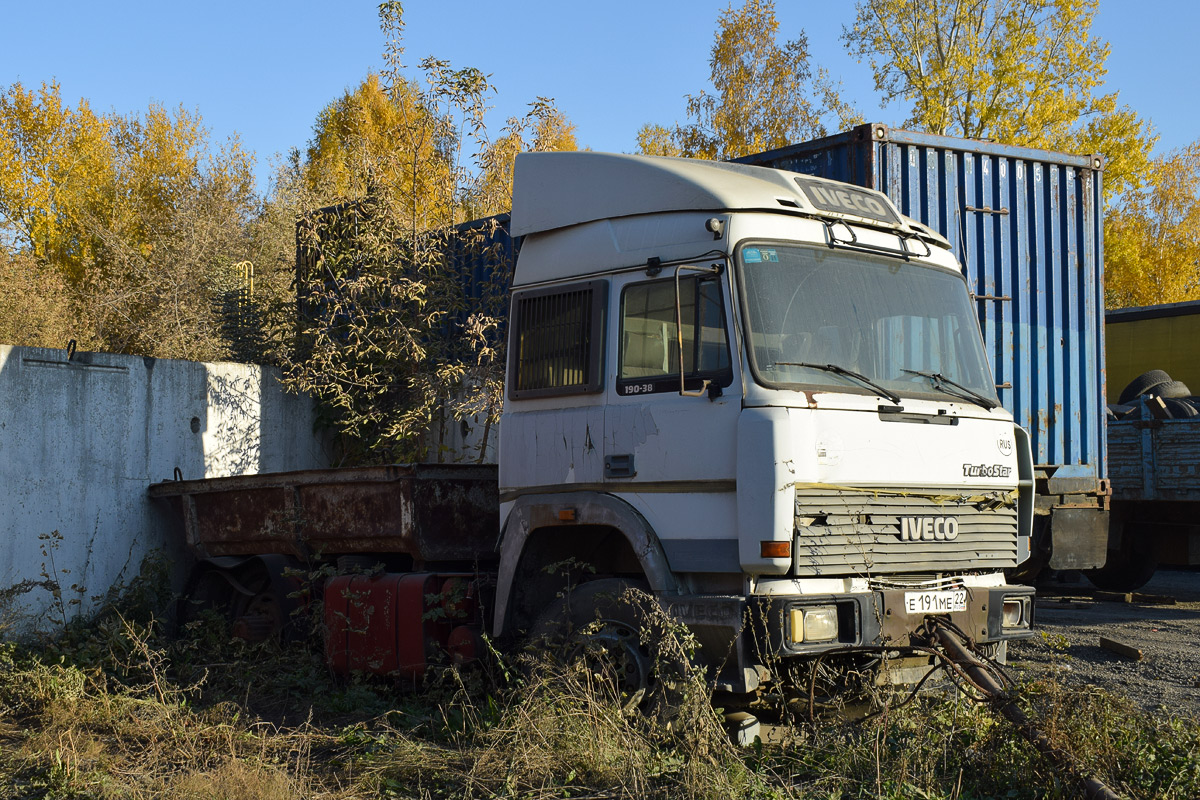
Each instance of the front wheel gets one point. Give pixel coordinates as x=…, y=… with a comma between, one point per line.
x=615, y=629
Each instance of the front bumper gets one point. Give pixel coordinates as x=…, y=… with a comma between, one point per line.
x=738, y=635
x=884, y=619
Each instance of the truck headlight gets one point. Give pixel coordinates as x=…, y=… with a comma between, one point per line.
x=1015, y=613
x=813, y=624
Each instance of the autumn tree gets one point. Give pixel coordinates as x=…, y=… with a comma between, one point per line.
x=765, y=94
x=378, y=139
x=37, y=307
x=1151, y=249
x=1024, y=72
x=134, y=222
x=53, y=163
x=542, y=128
x=396, y=337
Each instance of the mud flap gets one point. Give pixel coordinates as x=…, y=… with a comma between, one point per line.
x=1079, y=538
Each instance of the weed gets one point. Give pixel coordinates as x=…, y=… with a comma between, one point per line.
x=1056, y=641
x=118, y=709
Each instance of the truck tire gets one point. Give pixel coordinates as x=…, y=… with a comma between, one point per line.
x=615, y=627
x=1180, y=408
x=1142, y=384
x=1029, y=571
x=1172, y=390
x=254, y=595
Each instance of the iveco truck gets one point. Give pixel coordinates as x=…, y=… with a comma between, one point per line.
x=758, y=396
x=760, y=393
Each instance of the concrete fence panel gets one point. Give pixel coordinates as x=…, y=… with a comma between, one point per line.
x=82, y=438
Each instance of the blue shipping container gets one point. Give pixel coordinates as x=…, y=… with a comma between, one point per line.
x=1027, y=226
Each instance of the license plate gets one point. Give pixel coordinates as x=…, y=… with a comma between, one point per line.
x=935, y=602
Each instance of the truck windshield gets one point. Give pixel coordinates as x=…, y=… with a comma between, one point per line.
x=907, y=328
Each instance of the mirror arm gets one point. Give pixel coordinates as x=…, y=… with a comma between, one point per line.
x=703, y=390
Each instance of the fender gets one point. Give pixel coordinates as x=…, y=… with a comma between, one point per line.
x=535, y=511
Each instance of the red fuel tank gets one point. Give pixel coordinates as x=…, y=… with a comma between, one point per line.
x=393, y=623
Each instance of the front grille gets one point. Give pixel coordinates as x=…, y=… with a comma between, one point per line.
x=915, y=583
x=848, y=531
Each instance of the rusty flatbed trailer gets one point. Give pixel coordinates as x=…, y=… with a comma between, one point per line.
x=402, y=559
x=430, y=512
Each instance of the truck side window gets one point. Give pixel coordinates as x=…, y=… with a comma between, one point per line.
x=556, y=341
x=649, y=360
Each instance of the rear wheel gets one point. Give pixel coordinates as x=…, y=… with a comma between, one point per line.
x=254, y=597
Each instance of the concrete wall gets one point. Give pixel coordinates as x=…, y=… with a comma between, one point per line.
x=80, y=441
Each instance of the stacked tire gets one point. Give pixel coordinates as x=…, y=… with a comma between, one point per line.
x=1177, y=398
x=1130, y=566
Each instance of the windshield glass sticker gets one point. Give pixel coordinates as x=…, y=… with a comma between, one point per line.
x=769, y=254
x=751, y=255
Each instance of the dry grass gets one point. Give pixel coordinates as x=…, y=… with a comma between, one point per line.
x=114, y=710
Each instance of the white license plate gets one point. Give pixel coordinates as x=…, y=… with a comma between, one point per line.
x=935, y=602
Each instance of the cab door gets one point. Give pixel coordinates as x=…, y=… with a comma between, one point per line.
x=675, y=453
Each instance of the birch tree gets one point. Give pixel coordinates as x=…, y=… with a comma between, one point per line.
x=1024, y=72
x=766, y=94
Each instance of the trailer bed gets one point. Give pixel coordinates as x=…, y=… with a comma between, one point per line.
x=431, y=512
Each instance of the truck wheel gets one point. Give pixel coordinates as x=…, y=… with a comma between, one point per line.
x=614, y=628
x=1125, y=570
x=1142, y=384
x=253, y=596
x=1029, y=571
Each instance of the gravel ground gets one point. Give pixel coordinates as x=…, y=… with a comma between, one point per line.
x=1070, y=620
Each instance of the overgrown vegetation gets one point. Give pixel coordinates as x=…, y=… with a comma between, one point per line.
x=401, y=332
x=116, y=708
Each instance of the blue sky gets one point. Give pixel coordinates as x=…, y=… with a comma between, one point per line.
x=265, y=69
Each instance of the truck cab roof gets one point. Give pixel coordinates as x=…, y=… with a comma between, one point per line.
x=548, y=194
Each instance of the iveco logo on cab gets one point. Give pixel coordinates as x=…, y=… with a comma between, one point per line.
x=844, y=199
x=928, y=529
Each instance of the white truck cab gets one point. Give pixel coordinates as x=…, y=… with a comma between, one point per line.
x=762, y=395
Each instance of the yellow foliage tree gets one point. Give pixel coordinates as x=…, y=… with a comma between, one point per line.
x=381, y=139
x=543, y=128
x=766, y=94
x=1151, y=248
x=133, y=222
x=1025, y=72
x=657, y=140
x=51, y=157
x=37, y=307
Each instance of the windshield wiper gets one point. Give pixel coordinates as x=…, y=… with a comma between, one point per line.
x=849, y=373
x=940, y=381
